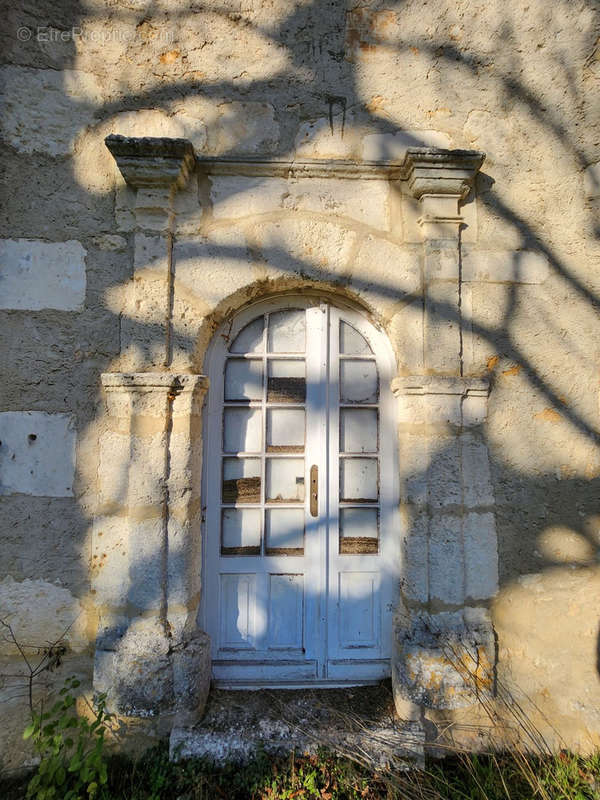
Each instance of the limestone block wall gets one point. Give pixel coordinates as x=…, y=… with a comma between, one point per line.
x=104, y=274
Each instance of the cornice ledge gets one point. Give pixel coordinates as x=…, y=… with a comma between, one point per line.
x=176, y=383
x=437, y=384
x=152, y=161
x=460, y=165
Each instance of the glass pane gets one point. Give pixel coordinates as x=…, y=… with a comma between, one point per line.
x=352, y=343
x=287, y=382
x=285, y=480
x=358, y=530
x=241, y=480
x=250, y=338
x=285, y=430
x=359, y=479
x=358, y=430
x=240, y=531
x=287, y=331
x=359, y=382
x=242, y=430
x=285, y=531
x=243, y=379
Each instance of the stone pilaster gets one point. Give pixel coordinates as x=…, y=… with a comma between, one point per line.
x=146, y=559
x=440, y=180
x=450, y=558
x=155, y=169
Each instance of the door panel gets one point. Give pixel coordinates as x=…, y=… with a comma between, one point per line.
x=299, y=592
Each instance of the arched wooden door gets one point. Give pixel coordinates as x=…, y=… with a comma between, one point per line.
x=301, y=556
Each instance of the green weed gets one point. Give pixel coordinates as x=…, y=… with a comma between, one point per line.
x=71, y=750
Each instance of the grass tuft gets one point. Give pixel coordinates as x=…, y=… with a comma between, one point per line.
x=507, y=776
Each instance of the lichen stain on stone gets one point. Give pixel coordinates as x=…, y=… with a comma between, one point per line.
x=491, y=363
x=169, y=57
x=548, y=415
x=513, y=370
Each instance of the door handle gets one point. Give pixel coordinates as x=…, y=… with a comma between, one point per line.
x=314, y=491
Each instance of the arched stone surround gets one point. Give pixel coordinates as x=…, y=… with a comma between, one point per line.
x=189, y=275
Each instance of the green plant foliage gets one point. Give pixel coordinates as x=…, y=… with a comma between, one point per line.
x=73, y=763
x=322, y=776
x=513, y=775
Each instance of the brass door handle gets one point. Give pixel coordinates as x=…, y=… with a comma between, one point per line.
x=314, y=491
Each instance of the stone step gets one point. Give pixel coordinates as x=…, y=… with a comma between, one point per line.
x=358, y=722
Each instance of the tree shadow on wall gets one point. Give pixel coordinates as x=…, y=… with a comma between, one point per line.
x=321, y=76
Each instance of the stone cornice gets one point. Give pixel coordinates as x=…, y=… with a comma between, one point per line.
x=148, y=161
x=420, y=163
x=152, y=162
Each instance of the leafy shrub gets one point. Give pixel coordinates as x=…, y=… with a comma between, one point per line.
x=71, y=749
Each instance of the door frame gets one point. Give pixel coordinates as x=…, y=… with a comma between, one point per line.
x=393, y=532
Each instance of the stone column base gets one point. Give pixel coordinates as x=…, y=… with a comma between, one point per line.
x=145, y=674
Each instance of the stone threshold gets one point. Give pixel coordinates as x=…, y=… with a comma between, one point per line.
x=358, y=722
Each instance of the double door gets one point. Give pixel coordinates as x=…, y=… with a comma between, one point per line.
x=301, y=529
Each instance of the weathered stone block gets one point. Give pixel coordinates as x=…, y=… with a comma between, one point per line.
x=476, y=477
x=244, y=127
x=406, y=334
x=446, y=560
x=40, y=612
x=320, y=138
x=37, y=540
x=45, y=109
x=236, y=197
x=481, y=556
x=38, y=452
x=441, y=263
x=442, y=328
x=414, y=457
x=444, y=479
x=444, y=660
x=415, y=573
x=147, y=553
x=505, y=266
x=38, y=275
x=384, y=274
x=366, y=201
x=136, y=672
x=312, y=247
x=150, y=253
x=393, y=146
x=109, y=561
x=131, y=469
x=145, y=672
x=191, y=676
x=210, y=268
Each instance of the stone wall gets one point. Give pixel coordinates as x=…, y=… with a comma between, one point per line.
x=93, y=261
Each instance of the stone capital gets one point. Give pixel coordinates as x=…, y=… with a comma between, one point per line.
x=150, y=163
x=436, y=384
x=148, y=393
x=441, y=173
x=441, y=400
x=440, y=180
x=153, y=381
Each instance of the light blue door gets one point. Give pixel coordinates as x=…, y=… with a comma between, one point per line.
x=300, y=495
